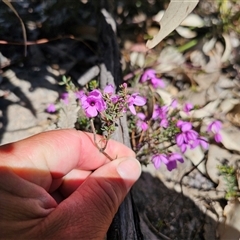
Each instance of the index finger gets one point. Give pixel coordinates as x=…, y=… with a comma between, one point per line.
x=60, y=151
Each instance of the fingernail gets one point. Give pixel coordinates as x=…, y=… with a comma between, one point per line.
x=129, y=170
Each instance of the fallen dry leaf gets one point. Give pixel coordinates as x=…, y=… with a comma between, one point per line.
x=176, y=12
x=170, y=58
x=207, y=111
x=186, y=32
x=234, y=115
x=231, y=138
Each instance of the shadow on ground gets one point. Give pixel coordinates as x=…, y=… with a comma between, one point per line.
x=170, y=215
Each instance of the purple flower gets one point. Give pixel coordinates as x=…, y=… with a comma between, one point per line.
x=188, y=137
x=109, y=89
x=141, y=123
x=214, y=126
x=158, y=159
x=169, y=160
x=124, y=85
x=191, y=135
x=203, y=142
x=160, y=112
x=157, y=82
x=187, y=107
x=51, y=108
x=155, y=112
x=218, y=137
x=114, y=98
x=184, y=126
x=173, y=157
x=79, y=94
x=137, y=100
x=174, y=103
x=93, y=103
x=182, y=141
x=150, y=74
x=164, y=123
x=64, y=97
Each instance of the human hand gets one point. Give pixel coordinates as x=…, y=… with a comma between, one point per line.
x=58, y=185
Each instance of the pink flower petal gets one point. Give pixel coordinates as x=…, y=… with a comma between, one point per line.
x=183, y=148
x=132, y=109
x=218, y=137
x=141, y=116
x=157, y=82
x=186, y=126
x=51, y=108
x=109, y=89
x=180, y=139
x=171, y=165
x=139, y=101
x=91, y=111
x=156, y=161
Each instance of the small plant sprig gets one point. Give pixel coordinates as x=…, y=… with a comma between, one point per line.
x=229, y=175
x=163, y=137
x=109, y=107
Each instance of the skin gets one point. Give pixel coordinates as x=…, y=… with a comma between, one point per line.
x=58, y=185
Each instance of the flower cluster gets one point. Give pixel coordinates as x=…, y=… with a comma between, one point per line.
x=189, y=138
x=161, y=113
x=95, y=102
x=168, y=129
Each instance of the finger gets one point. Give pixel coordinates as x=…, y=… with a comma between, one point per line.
x=21, y=204
x=72, y=181
x=58, y=152
x=88, y=212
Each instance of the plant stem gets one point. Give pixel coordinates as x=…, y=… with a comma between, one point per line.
x=101, y=149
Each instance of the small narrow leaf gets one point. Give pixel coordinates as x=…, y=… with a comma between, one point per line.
x=176, y=12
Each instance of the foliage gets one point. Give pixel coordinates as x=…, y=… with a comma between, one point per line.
x=229, y=175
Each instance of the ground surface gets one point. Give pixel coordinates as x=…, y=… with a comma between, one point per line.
x=206, y=75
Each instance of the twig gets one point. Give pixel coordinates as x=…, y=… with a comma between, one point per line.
x=193, y=168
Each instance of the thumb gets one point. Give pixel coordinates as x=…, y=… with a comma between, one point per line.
x=89, y=211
